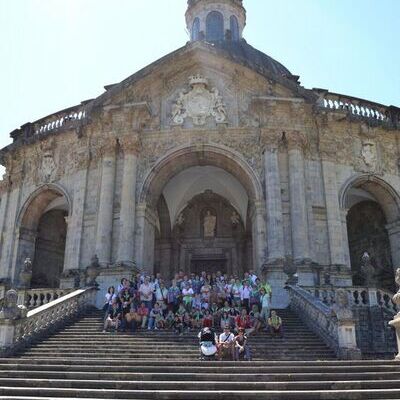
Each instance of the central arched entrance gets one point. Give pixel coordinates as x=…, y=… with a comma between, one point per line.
x=201, y=208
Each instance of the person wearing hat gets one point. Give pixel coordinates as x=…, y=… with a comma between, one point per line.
x=226, y=344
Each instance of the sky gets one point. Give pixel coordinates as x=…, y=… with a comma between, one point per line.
x=57, y=53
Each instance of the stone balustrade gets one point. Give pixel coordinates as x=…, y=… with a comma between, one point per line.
x=358, y=296
x=358, y=107
x=69, y=118
x=48, y=318
x=337, y=332
x=59, y=120
x=32, y=298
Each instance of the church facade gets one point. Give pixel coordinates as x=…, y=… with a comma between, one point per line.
x=212, y=158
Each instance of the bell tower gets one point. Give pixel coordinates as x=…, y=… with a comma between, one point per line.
x=215, y=20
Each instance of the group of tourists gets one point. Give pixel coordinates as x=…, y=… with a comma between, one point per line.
x=193, y=302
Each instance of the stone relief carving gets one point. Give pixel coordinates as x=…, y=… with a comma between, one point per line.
x=369, y=154
x=199, y=103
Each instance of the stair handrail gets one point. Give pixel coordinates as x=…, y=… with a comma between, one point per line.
x=359, y=296
x=19, y=327
x=335, y=327
x=32, y=298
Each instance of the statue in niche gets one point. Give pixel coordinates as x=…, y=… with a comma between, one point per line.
x=209, y=224
x=368, y=270
x=235, y=219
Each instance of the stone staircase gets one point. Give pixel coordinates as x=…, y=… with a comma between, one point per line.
x=82, y=362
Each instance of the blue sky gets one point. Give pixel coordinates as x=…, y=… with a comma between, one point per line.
x=56, y=53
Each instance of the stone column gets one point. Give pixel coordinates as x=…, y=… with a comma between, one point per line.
x=393, y=230
x=106, y=203
x=259, y=239
x=10, y=232
x=139, y=239
x=346, y=248
x=334, y=220
x=74, y=221
x=128, y=202
x=298, y=206
x=275, y=240
x=3, y=216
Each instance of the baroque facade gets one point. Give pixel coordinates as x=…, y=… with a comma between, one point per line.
x=212, y=158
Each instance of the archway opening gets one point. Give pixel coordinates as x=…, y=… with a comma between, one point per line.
x=372, y=218
x=366, y=223
x=42, y=236
x=207, y=235
x=202, y=212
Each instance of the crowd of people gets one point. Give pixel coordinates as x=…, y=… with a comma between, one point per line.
x=194, y=302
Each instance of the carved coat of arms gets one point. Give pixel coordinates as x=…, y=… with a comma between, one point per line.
x=199, y=103
x=48, y=167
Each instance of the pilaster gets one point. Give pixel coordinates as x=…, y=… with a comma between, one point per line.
x=106, y=202
x=129, y=145
x=296, y=142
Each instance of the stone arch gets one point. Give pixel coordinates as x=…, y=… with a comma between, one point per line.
x=372, y=224
x=183, y=158
x=382, y=191
x=42, y=227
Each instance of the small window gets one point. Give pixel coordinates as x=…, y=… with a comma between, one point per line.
x=196, y=29
x=234, y=28
x=215, y=26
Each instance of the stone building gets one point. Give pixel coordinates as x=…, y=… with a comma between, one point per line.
x=213, y=157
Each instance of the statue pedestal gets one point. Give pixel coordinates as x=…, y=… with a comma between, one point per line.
x=348, y=349
x=396, y=325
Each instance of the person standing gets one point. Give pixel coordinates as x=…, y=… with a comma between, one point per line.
x=265, y=304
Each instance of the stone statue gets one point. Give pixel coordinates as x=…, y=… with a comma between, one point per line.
x=25, y=276
x=209, y=224
x=178, y=114
x=92, y=271
x=368, y=271
x=341, y=308
x=10, y=308
x=235, y=219
x=219, y=107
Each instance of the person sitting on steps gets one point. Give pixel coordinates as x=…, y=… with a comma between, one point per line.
x=113, y=317
x=275, y=324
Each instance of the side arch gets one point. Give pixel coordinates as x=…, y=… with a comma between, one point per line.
x=384, y=193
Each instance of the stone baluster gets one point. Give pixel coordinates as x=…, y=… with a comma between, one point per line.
x=128, y=201
x=298, y=207
x=106, y=203
x=275, y=238
x=334, y=218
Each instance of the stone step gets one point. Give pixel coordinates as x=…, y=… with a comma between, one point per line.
x=197, y=376
x=334, y=394
x=199, y=385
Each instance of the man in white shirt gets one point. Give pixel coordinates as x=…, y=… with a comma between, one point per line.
x=226, y=344
x=146, y=291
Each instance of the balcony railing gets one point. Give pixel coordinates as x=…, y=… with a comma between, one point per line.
x=359, y=108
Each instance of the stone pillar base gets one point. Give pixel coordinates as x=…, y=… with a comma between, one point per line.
x=275, y=276
x=349, y=354
x=396, y=325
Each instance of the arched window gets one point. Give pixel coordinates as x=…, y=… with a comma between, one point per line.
x=215, y=26
x=196, y=29
x=234, y=28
